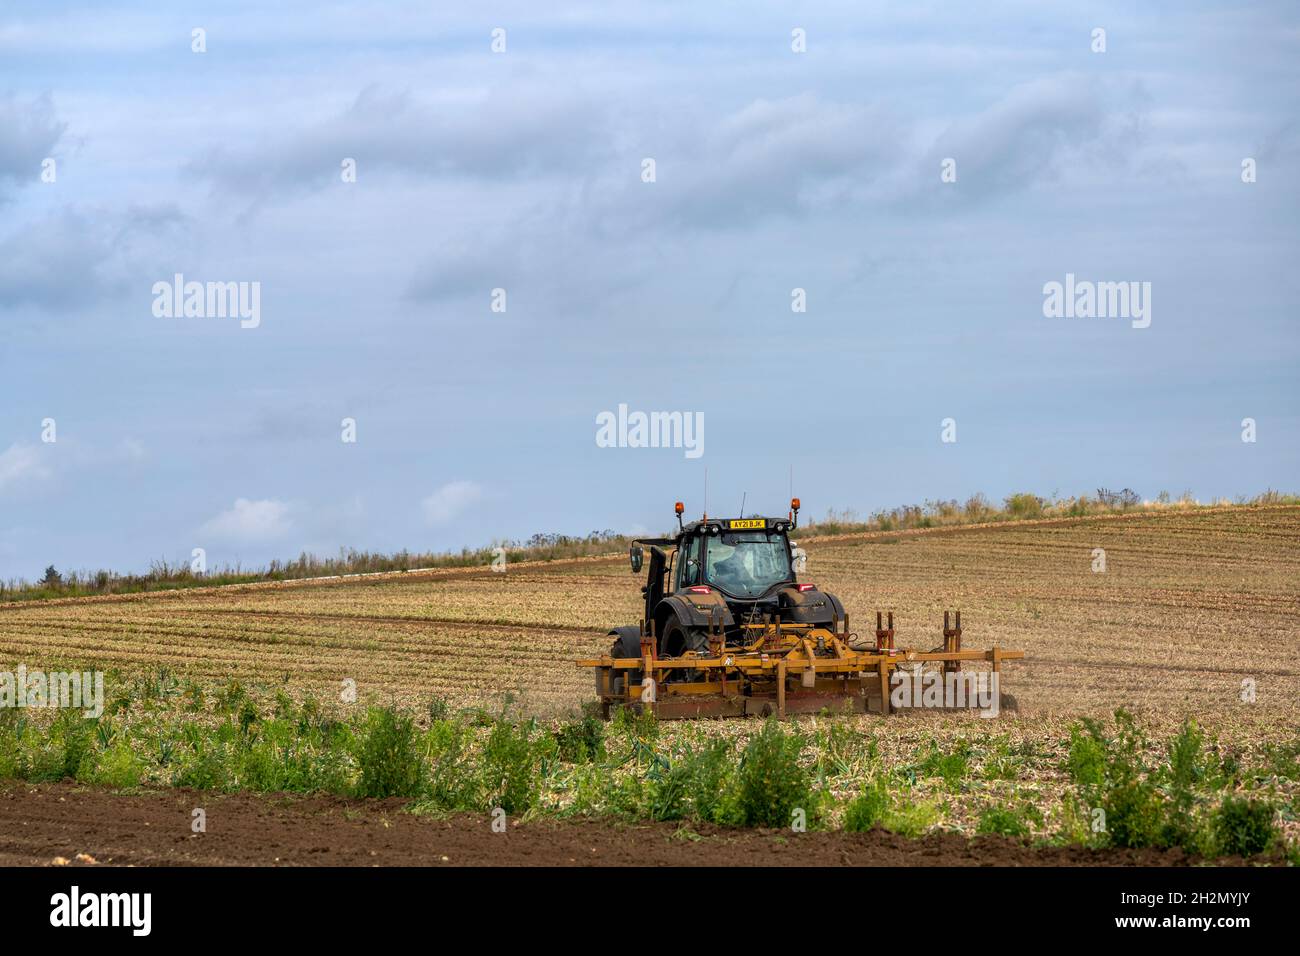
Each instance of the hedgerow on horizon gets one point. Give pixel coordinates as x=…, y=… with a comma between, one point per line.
x=165, y=575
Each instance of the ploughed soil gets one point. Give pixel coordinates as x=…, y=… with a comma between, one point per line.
x=68, y=824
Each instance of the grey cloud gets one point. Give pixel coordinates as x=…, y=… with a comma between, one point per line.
x=1039, y=131
x=463, y=270
x=56, y=263
x=79, y=255
x=491, y=136
x=550, y=266
x=805, y=155
x=793, y=154
x=28, y=134
x=788, y=156
x=1282, y=143
x=770, y=158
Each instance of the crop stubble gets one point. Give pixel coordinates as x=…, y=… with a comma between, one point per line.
x=1190, y=605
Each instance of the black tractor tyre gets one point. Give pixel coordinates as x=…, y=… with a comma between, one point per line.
x=627, y=644
x=677, y=641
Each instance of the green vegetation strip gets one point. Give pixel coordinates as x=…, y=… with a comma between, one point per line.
x=1117, y=787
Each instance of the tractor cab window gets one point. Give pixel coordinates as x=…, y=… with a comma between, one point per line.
x=747, y=564
x=688, y=563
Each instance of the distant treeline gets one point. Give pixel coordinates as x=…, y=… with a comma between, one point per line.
x=164, y=575
x=1021, y=506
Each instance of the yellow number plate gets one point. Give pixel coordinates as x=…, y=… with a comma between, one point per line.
x=739, y=523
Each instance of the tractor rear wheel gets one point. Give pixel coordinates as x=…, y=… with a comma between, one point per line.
x=677, y=641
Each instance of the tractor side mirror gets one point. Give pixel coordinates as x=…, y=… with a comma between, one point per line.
x=636, y=556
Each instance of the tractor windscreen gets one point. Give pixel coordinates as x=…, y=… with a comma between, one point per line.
x=747, y=564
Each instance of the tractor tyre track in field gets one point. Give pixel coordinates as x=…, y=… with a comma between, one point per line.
x=396, y=619
x=442, y=623
x=1145, y=666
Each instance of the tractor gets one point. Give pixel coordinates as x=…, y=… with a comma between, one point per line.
x=728, y=630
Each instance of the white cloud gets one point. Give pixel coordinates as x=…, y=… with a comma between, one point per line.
x=450, y=501
x=19, y=462
x=131, y=449
x=250, y=521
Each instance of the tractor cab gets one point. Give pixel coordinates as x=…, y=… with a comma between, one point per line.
x=744, y=558
x=719, y=575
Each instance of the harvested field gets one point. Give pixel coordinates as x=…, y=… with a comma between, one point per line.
x=243, y=691
x=1190, y=605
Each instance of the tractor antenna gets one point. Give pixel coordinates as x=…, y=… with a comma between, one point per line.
x=742, y=503
x=706, y=491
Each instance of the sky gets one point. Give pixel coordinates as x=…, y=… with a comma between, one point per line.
x=913, y=175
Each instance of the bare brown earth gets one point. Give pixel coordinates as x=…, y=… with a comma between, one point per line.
x=66, y=824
